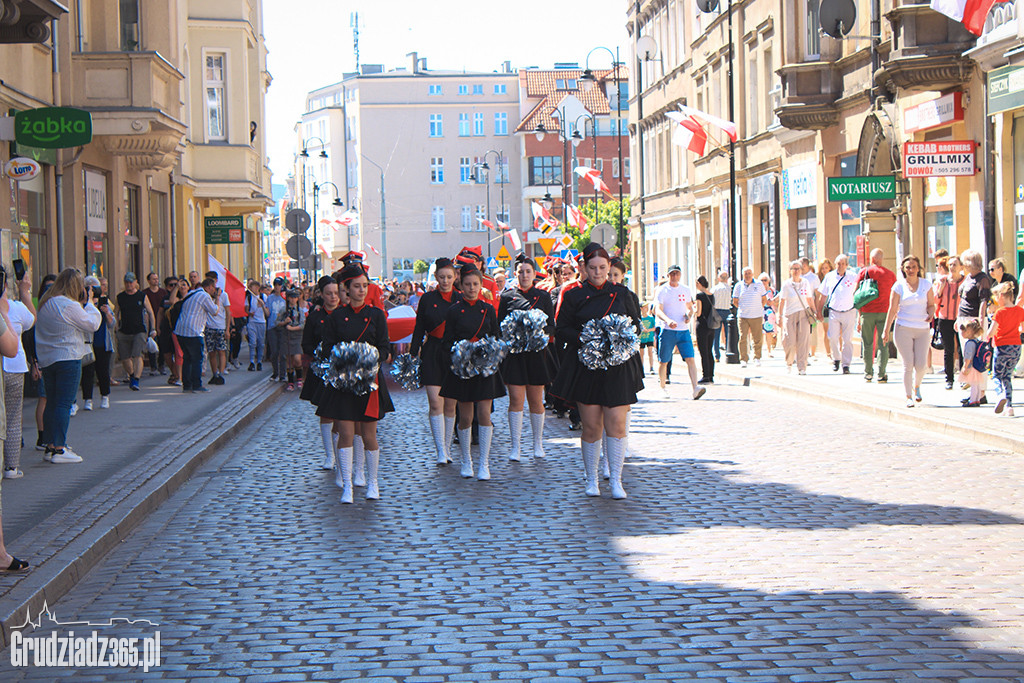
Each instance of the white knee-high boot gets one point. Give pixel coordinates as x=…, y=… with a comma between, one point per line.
x=604, y=456
x=537, y=425
x=616, y=458
x=590, y=456
x=449, y=434
x=344, y=476
x=327, y=436
x=465, y=437
x=359, y=459
x=372, y=463
x=437, y=430
x=515, y=431
x=484, y=472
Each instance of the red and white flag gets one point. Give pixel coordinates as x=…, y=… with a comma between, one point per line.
x=576, y=218
x=542, y=217
x=227, y=281
x=373, y=249
x=701, y=117
x=970, y=13
x=594, y=176
x=513, y=236
x=689, y=133
x=486, y=223
x=346, y=219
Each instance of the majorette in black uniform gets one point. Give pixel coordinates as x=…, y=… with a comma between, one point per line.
x=312, y=335
x=430, y=322
x=472, y=321
x=529, y=367
x=616, y=386
x=370, y=325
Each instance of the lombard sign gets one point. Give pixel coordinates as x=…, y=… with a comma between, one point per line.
x=1005, y=89
x=20, y=168
x=53, y=127
x=933, y=113
x=927, y=159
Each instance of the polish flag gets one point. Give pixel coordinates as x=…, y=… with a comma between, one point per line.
x=728, y=126
x=502, y=227
x=346, y=219
x=689, y=133
x=373, y=249
x=227, y=281
x=517, y=242
x=970, y=13
x=401, y=324
x=326, y=253
x=594, y=176
x=486, y=223
x=577, y=219
x=542, y=216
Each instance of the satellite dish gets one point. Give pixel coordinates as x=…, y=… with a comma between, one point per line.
x=707, y=5
x=647, y=47
x=298, y=247
x=297, y=221
x=603, y=234
x=837, y=17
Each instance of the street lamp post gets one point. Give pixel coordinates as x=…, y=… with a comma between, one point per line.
x=383, y=221
x=304, y=154
x=337, y=202
x=577, y=139
x=563, y=135
x=588, y=80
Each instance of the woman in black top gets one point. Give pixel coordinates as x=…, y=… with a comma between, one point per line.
x=525, y=374
x=603, y=396
x=354, y=413
x=705, y=334
x=434, y=357
x=471, y=319
x=312, y=336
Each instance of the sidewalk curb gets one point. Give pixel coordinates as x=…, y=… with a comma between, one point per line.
x=58, y=574
x=901, y=417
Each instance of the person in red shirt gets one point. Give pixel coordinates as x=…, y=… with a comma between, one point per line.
x=872, y=317
x=1004, y=335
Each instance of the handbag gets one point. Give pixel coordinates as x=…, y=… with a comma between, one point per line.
x=714, y=320
x=811, y=318
x=936, y=336
x=866, y=292
x=90, y=355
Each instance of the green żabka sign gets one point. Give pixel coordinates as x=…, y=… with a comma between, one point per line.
x=224, y=230
x=53, y=127
x=860, y=188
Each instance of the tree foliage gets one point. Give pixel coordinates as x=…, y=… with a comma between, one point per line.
x=599, y=212
x=420, y=266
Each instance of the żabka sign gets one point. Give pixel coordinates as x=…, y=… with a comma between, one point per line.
x=53, y=127
x=928, y=159
x=21, y=168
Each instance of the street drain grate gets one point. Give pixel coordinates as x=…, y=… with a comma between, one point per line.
x=224, y=472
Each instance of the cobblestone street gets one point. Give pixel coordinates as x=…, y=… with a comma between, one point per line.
x=764, y=539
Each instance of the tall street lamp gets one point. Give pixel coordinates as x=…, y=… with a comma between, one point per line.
x=577, y=139
x=588, y=81
x=337, y=202
x=483, y=168
x=383, y=221
x=563, y=135
x=304, y=154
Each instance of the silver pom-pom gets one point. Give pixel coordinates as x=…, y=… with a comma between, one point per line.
x=608, y=341
x=405, y=370
x=524, y=330
x=482, y=357
x=352, y=366
x=321, y=361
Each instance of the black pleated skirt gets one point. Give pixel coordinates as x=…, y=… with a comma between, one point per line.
x=529, y=367
x=472, y=389
x=617, y=386
x=434, y=361
x=312, y=387
x=344, y=405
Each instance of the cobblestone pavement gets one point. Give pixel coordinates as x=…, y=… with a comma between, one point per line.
x=764, y=539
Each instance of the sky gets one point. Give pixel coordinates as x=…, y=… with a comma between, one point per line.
x=310, y=44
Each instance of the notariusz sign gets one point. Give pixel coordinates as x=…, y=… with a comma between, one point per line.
x=861, y=188
x=53, y=127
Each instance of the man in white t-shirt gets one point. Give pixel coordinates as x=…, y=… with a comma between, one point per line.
x=218, y=331
x=750, y=297
x=836, y=291
x=673, y=310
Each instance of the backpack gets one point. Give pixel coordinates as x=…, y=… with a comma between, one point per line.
x=175, y=311
x=982, y=357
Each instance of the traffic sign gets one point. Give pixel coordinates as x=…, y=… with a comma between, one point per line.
x=546, y=243
x=298, y=247
x=859, y=188
x=297, y=221
x=224, y=229
x=493, y=263
x=503, y=254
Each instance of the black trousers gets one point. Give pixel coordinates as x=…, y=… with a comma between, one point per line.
x=705, y=346
x=951, y=352
x=97, y=372
x=237, y=332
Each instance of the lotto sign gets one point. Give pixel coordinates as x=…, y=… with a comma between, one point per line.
x=21, y=168
x=928, y=159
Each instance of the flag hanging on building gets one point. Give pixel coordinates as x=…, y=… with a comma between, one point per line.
x=689, y=133
x=594, y=176
x=227, y=281
x=701, y=117
x=970, y=13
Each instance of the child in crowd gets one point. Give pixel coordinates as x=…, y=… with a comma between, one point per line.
x=1004, y=335
x=293, y=320
x=969, y=373
x=647, y=336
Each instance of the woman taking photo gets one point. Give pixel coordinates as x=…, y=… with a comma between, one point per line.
x=911, y=305
x=430, y=316
x=471, y=319
x=312, y=336
x=356, y=413
x=102, y=347
x=796, y=312
x=525, y=374
x=603, y=396
x=60, y=344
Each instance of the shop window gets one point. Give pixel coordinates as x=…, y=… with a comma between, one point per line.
x=850, y=220
x=158, y=232
x=130, y=225
x=31, y=241
x=807, y=233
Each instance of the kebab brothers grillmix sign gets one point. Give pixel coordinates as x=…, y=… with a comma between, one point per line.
x=929, y=159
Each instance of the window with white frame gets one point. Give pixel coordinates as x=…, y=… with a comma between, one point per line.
x=463, y=89
x=478, y=124
x=467, y=218
x=501, y=123
x=500, y=89
x=465, y=169
x=437, y=170
x=216, y=116
x=434, y=90
x=463, y=125
x=437, y=219
x=502, y=214
x=615, y=167
x=353, y=178
x=478, y=89
x=812, y=22
x=501, y=176
x=625, y=164
x=436, y=127
x=481, y=215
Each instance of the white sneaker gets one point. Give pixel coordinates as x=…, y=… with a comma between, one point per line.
x=87, y=405
x=104, y=401
x=67, y=456
x=74, y=409
x=1009, y=412
x=743, y=363
x=757, y=362
x=13, y=473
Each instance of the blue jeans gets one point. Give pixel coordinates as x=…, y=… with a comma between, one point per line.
x=61, y=380
x=192, y=362
x=1004, y=360
x=723, y=313
x=256, y=334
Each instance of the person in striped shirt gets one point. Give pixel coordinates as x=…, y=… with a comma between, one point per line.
x=195, y=309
